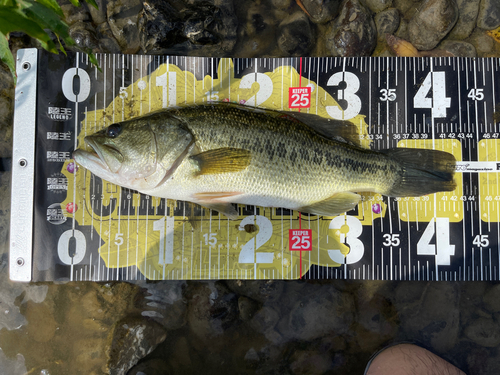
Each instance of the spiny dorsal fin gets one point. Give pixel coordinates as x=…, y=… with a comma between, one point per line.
x=343, y=131
x=222, y=160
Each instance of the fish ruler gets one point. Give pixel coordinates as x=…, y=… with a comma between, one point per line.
x=72, y=225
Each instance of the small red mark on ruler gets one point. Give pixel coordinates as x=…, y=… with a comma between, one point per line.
x=299, y=97
x=300, y=240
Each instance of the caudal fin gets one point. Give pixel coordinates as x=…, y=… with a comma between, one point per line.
x=424, y=172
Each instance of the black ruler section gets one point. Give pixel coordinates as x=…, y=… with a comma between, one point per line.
x=442, y=103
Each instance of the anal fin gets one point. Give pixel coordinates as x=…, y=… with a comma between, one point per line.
x=335, y=205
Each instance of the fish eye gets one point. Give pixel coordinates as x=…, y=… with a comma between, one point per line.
x=113, y=130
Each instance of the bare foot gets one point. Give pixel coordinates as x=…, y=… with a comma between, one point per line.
x=408, y=359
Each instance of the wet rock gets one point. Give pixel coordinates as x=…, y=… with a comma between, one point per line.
x=295, y=35
x=406, y=7
x=316, y=312
x=387, y=22
x=247, y=308
x=88, y=353
x=433, y=20
x=483, y=360
x=6, y=111
x=153, y=366
x=165, y=304
x=259, y=31
x=130, y=340
x=107, y=42
x=321, y=11
x=377, y=6
x=467, y=16
x=377, y=321
x=281, y=4
x=41, y=323
x=484, y=332
x=402, y=31
x=353, y=33
x=83, y=35
x=122, y=19
x=483, y=43
x=182, y=358
x=432, y=317
x=491, y=299
x=265, y=320
x=73, y=14
x=12, y=366
x=197, y=28
x=488, y=17
x=458, y=48
x=98, y=15
x=261, y=291
x=309, y=362
x=212, y=310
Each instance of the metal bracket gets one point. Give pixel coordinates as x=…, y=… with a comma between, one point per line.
x=23, y=166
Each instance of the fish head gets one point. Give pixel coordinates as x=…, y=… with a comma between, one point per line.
x=138, y=153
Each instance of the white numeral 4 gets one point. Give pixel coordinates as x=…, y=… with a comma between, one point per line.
x=439, y=101
x=442, y=249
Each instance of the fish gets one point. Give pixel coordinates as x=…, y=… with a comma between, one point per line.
x=221, y=154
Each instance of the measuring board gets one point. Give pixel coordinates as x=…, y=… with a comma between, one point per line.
x=72, y=225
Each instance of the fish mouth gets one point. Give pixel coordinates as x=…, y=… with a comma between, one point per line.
x=98, y=155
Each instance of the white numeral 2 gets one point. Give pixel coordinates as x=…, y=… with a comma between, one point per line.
x=265, y=87
x=247, y=253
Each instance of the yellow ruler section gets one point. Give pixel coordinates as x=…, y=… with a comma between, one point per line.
x=447, y=204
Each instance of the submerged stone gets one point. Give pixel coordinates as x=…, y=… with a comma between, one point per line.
x=353, y=33
x=434, y=19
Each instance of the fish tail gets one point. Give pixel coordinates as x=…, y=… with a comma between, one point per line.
x=424, y=172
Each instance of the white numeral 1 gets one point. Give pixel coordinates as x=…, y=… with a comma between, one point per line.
x=169, y=96
x=439, y=101
x=442, y=249
x=166, y=240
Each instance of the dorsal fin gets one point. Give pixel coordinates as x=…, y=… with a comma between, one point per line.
x=339, y=130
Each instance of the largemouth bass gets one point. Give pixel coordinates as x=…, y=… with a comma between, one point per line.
x=218, y=154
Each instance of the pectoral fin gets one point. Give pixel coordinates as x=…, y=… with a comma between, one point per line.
x=223, y=208
x=335, y=205
x=222, y=160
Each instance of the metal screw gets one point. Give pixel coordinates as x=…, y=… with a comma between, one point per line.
x=26, y=66
x=23, y=162
x=20, y=262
